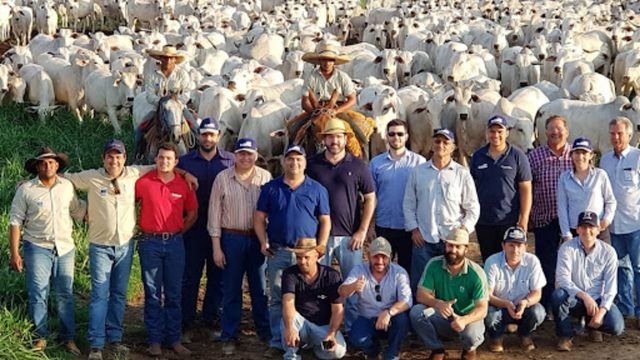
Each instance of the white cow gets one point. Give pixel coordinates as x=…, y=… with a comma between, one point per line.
x=263, y=120
x=626, y=72
x=110, y=91
x=46, y=19
x=289, y=92
x=387, y=106
x=592, y=87
x=219, y=103
x=40, y=91
x=22, y=24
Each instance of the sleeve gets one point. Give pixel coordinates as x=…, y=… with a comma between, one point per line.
x=410, y=202
x=288, y=282
x=531, y=156
x=610, y=203
x=372, y=170
x=563, y=205
x=470, y=202
x=18, y=212
x=348, y=87
x=427, y=281
x=564, y=269
x=139, y=188
x=491, y=272
x=263, y=199
x=472, y=166
x=610, y=274
x=191, y=202
x=354, y=274
x=323, y=201
x=151, y=91
x=334, y=296
x=480, y=289
x=309, y=84
x=366, y=181
x=80, y=180
x=141, y=170
x=404, y=287
x=185, y=87
x=214, y=222
x=524, y=169
x=78, y=207
x=537, y=280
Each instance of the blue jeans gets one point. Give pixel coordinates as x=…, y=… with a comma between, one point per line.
x=431, y=327
x=312, y=335
x=339, y=246
x=276, y=264
x=497, y=320
x=110, y=268
x=628, y=249
x=198, y=253
x=243, y=256
x=42, y=266
x=364, y=336
x=162, y=265
x=547, y=243
x=565, y=306
x=420, y=256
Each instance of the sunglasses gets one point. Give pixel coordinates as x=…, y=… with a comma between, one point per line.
x=392, y=134
x=116, y=187
x=378, y=296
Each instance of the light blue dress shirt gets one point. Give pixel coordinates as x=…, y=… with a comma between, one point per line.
x=574, y=197
x=624, y=174
x=514, y=284
x=390, y=176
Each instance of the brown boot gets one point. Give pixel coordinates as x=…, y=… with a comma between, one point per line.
x=180, y=349
x=495, y=345
x=468, y=355
x=155, y=350
x=437, y=354
x=39, y=345
x=595, y=336
x=526, y=342
x=564, y=344
x=72, y=348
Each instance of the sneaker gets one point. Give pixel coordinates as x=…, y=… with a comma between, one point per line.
x=438, y=354
x=564, y=344
x=228, y=348
x=95, y=354
x=118, y=348
x=495, y=345
x=39, y=345
x=526, y=342
x=273, y=353
x=179, y=349
x=72, y=348
x=154, y=349
x=468, y=355
x=595, y=336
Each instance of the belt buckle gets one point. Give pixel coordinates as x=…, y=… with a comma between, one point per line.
x=166, y=236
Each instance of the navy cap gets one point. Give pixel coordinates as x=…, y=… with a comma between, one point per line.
x=246, y=144
x=515, y=234
x=209, y=125
x=446, y=133
x=114, y=144
x=295, y=148
x=588, y=218
x=582, y=143
x=497, y=120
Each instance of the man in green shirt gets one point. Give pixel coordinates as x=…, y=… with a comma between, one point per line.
x=452, y=299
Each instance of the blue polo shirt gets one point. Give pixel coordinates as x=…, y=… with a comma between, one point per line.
x=292, y=214
x=497, y=184
x=344, y=181
x=205, y=171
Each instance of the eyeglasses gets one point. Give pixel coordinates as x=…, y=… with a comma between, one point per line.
x=378, y=296
x=392, y=134
x=116, y=187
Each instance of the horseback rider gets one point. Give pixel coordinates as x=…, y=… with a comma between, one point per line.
x=167, y=80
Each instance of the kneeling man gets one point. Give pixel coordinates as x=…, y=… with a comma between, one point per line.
x=586, y=284
x=515, y=281
x=311, y=307
x=452, y=299
x=383, y=296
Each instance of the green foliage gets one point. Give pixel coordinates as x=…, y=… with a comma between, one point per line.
x=21, y=137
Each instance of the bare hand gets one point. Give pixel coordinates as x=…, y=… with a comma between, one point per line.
x=357, y=240
x=16, y=263
x=597, y=320
x=445, y=308
x=360, y=283
x=522, y=305
x=511, y=309
x=458, y=324
x=332, y=338
x=384, y=319
x=291, y=338
x=191, y=180
x=219, y=258
x=590, y=305
x=417, y=239
x=266, y=250
x=604, y=224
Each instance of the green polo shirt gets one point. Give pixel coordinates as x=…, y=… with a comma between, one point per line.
x=467, y=287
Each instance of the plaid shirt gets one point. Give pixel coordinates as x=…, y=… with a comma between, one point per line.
x=546, y=168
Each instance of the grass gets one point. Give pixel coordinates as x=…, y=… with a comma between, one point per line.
x=20, y=138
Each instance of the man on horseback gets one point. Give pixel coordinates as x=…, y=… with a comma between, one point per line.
x=168, y=81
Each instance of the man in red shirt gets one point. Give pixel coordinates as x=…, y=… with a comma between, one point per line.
x=168, y=208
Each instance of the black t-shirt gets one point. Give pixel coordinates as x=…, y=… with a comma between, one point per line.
x=313, y=301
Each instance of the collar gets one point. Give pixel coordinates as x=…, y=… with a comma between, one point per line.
x=220, y=153
x=449, y=166
x=624, y=153
x=465, y=267
x=280, y=180
x=347, y=158
x=389, y=157
x=565, y=151
x=37, y=181
x=572, y=173
x=596, y=246
x=505, y=153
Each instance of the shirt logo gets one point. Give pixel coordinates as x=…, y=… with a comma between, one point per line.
x=483, y=166
x=322, y=297
x=175, y=195
x=508, y=167
x=461, y=289
x=40, y=204
x=103, y=191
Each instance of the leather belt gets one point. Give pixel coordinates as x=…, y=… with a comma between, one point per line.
x=249, y=232
x=164, y=235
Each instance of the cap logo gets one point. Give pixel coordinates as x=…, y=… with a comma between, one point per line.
x=294, y=148
x=517, y=234
x=587, y=216
x=582, y=143
x=246, y=144
x=496, y=121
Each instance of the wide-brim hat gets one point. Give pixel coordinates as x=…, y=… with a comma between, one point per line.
x=168, y=51
x=304, y=245
x=335, y=126
x=326, y=51
x=31, y=165
x=457, y=236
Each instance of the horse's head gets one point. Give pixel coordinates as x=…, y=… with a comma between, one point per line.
x=170, y=114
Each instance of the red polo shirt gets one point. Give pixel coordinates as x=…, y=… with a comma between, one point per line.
x=162, y=206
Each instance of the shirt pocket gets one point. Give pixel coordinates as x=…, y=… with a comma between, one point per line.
x=630, y=177
x=452, y=192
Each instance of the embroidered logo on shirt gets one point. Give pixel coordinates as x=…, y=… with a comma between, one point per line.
x=508, y=167
x=103, y=191
x=483, y=166
x=322, y=297
x=40, y=204
x=176, y=195
x=461, y=289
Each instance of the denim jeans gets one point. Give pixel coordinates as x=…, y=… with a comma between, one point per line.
x=565, y=306
x=339, y=246
x=547, y=243
x=162, y=265
x=420, y=256
x=364, y=336
x=243, y=256
x=628, y=249
x=312, y=335
x=276, y=264
x=431, y=327
x=110, y=268
x=42, y=266
x=198, y=252
x=497, y=320
x=401, y=244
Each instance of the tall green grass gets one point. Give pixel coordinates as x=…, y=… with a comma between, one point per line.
x=20, y=138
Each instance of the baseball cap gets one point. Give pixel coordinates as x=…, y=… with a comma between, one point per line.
x=457, y=236
x=588, y=218
x=246, y=144
x=114, y=144
x=209, y=125
x=515, y=234
x=295, y=148
x=445, y=132
x=582, y=143
x=380, y=245
x=497, y=120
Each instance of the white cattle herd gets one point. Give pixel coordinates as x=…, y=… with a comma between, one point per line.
x=433, y=63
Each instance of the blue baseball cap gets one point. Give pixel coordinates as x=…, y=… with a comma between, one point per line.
x=582, y=143
x=497, y=120
x=446, y=133
x=209, y=125
x=588, y=218
x=295, y=148
x=246, y=144
x=114, y=144
x=515, y=234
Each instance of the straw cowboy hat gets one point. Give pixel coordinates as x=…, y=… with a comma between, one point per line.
x=31, y=165
x=305, y=245
x=168, y=51
x=335, y=126
x=326, y=51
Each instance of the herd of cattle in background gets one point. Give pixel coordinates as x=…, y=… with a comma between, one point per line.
x=433, y=63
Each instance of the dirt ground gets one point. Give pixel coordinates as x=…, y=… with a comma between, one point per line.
x=624, y=347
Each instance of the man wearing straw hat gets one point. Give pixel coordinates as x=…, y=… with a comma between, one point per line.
x=167, y=80
x=42, y=208
x=311, y=306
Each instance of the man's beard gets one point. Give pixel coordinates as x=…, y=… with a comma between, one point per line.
x=207, y=149
x=453, y=259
